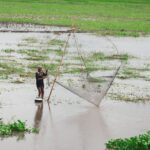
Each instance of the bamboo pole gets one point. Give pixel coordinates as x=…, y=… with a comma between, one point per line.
x=58, y=70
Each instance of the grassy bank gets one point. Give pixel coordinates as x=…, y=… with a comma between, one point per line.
x=114, y=17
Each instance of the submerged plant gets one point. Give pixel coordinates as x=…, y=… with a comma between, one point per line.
x=8, y=50
x=30, y=40
x=102, y=56
x=56, y=42
x=15, y=127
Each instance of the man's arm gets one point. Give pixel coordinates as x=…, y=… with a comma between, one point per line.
x=45, y=73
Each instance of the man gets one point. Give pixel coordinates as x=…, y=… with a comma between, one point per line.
x=40, y=76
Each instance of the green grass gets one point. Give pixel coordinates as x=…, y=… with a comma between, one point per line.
x=8, y=129
x=56, y=42
x=8, y=50
x=37, y=58
x=9, y=68
x=30, y=40
x=114, y=17
x=126, y=73
x=128, y=98
x=141, y=142
x=101, y=56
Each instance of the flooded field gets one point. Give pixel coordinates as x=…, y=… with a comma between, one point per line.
x=72, y=122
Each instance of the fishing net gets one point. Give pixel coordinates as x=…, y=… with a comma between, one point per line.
x=89, y=85
x=91, y=88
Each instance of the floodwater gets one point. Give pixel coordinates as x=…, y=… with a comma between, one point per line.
x=71, y=123
x=138, y=46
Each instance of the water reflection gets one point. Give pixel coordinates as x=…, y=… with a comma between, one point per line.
x=38, y=115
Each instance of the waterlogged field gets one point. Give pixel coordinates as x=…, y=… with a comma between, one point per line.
x=121, y=17
x=124, y=112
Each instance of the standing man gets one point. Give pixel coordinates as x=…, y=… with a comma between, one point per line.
x=40, y=76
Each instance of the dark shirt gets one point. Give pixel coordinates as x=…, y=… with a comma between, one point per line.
x=39, y=78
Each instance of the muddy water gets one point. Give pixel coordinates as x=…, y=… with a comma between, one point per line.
x=71, y=123
x=138, y=47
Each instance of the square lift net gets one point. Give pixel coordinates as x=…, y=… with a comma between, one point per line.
x=91, y=86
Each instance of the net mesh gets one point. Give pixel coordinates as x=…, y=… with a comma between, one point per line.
x=92, y=89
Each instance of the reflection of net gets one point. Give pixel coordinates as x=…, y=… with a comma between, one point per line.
x=89, y=88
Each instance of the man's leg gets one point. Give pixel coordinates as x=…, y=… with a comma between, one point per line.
x=42, y=92
x=39, y=92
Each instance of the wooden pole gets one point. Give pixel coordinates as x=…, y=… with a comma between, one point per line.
x=58, y=70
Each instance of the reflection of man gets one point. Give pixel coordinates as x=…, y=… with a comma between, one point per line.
x=38, y=115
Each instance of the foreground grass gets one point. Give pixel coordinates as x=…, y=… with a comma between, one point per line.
x=15, y=127
x=141, y=142
x=121, y=17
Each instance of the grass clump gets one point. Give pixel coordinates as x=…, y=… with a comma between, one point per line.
x=123, y=57
x=141, y=142
x=10, y=68
x=101, y=56
x=8, y=50
x=56, y=42
x=8, y=129
x=81, y=70
x=129, y=97
x=127, y=73
x=35, y=55
x=59, y=52
x=37, y=58
x=30, y=40
x=31, y=53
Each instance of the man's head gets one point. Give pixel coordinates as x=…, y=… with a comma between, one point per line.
x=39, y=69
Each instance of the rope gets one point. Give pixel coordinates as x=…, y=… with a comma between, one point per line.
x=80, y=53
x=111, y=82
x=73, y=19
x=113, y=44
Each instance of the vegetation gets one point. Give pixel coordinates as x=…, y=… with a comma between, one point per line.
x=129, y=97
x=30, y=40
x=8, y=50
x=111, y=17
x=56, y=42
x=101, y=56
x=126, y=73
x=15, y=127
x=141, y=142
x=9, y=68
x=37, y=58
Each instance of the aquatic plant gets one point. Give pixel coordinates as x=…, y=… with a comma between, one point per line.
x=56, y=42
x=126, y=73
x=10, y=68
x=141, y=142
x=30, y=40
x=8, y=50
x=102, y=56
x=8, y=129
